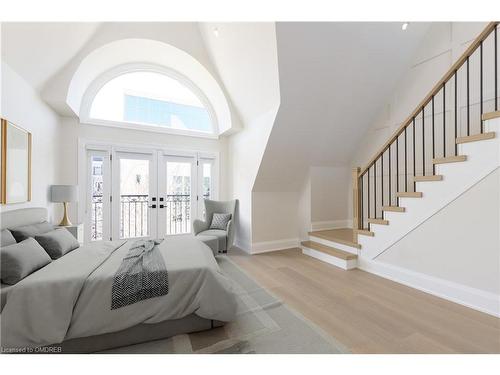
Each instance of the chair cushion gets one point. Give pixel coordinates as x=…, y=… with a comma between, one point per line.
x=57, y=242
x=219, y=221
x=220, y=234
x=211, y=241
x=27, y=231
x=21, y=259
x=6, y=238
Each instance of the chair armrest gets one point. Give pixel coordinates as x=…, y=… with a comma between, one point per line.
x=230, y=234
x=199, y=226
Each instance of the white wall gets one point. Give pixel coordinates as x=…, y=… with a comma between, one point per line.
x=23, y=106
x=304, y=209
x=441, y=47
x=460, y=243
x=328, y=202
x=275, y=220
x=245, y=58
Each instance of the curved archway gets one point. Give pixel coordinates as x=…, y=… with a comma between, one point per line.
x=117, y=57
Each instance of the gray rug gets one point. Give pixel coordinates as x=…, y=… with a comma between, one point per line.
x=263, y=325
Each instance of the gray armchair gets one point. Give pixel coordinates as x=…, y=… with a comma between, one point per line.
x=217, y=239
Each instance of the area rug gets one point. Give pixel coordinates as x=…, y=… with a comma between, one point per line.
x=264, y=325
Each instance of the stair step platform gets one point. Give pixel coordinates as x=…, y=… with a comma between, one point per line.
x=393, y=208
x=378, y=221
x=475, y=138
x=409, y=194
x=490, y=115
x=331, y=255
x=366, y=232
x=450, y=159
x=343, y=239
x=436, y=177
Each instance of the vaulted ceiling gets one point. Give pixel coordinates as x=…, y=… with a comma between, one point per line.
x=334, y=80
x=37, y=50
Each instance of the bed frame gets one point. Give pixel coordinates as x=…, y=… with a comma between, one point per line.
x=134, y=335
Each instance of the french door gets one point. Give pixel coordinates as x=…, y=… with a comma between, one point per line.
x=177, y=193
x=146, y=193
x=134, y=182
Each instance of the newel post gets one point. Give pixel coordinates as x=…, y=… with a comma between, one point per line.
x=355, y=203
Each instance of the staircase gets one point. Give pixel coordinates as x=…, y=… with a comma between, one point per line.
x=447, y=145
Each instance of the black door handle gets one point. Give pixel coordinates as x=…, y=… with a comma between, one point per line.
x=162, y=206
x=152, y=206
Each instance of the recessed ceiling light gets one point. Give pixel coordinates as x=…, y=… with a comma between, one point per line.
x=216, y=32
x=404, y=26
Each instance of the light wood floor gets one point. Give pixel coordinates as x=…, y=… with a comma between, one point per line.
x=370, y=314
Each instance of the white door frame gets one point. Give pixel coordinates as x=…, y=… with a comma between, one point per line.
x=152, y=192
x=111, y=148
x=162, y=188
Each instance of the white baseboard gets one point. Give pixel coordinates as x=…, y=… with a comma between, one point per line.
x=476, y=299
x=267, y=246
x=331, y=224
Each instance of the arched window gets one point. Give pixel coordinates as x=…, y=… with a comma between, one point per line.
x=151, y=99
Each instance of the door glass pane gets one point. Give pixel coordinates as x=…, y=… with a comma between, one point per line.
x=96, y=178
x=134, y=198
x=178, y=200
x=207, y=180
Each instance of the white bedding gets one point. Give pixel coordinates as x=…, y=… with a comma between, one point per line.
x=71, y=297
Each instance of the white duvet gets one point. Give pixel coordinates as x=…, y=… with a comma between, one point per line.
x=71, y=297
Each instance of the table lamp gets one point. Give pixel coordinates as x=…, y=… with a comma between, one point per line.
x=64, y=194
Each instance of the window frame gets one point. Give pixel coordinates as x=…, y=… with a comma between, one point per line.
x=103, y=79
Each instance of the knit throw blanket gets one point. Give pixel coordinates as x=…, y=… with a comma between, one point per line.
x=141, y=275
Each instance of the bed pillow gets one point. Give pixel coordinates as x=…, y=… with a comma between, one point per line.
x=27, y=231
x=219, y=221
x=21, y=259
x=57, y=242
x=6, y=238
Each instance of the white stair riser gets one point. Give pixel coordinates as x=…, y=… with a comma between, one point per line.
x=336, y=245
x=338, y=262
x=483, y=157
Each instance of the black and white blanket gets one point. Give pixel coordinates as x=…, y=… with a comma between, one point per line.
x=142, y=275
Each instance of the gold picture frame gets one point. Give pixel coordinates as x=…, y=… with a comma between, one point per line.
x=15, y=161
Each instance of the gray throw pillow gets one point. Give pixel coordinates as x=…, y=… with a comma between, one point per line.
x=57, y=242
x=27, y=231
x=21, y=259
x=6, y=238
x=219, y=221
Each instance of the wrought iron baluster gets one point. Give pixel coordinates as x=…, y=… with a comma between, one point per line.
x=423, y=141
x=481, y=87
x=468, y=107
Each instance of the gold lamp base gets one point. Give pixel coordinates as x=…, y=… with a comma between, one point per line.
x=65, y=220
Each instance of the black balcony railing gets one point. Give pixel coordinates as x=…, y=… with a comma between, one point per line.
x=97, y=217
x=134, y=215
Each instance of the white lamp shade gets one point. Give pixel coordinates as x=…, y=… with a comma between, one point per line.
x=64, y=193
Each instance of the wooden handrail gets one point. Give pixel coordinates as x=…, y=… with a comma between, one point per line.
x=468, y=52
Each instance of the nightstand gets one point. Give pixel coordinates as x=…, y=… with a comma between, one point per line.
x=75, y=229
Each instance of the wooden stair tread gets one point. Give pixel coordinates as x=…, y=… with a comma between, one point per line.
x=366, y=232
x=329, y=250
x=490, y=115
x=409, y=194
x=393, y=208
x=450, y=159
x=436, y=177
x=378, y=221
x=336, y=236
x=475, y=138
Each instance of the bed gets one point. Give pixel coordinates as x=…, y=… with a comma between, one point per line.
x=66, y=305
